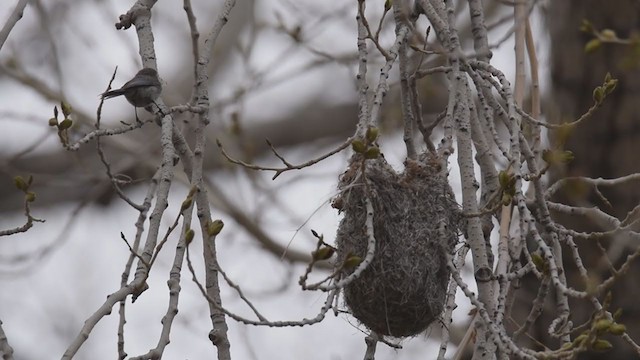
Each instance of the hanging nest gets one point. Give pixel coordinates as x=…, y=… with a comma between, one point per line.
x=416, y=220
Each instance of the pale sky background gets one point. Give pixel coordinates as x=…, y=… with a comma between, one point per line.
x=43, y=303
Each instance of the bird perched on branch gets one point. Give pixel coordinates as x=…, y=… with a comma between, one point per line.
x=140, y=91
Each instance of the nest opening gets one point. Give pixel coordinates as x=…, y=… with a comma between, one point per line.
x=415, y=224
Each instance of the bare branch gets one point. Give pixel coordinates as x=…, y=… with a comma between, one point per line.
x=12, y=21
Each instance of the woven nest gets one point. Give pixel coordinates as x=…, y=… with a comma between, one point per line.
x=415, y=225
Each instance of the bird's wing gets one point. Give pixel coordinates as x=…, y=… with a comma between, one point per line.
x=135, y=82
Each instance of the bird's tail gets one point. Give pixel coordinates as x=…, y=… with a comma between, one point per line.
x=111, y=93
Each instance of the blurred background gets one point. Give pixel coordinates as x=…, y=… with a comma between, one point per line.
x=284, y=71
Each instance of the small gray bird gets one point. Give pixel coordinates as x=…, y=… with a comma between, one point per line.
x=140, y=91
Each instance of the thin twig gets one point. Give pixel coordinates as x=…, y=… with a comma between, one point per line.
x=288, y=166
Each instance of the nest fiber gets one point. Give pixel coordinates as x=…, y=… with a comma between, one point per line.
x=403, y=289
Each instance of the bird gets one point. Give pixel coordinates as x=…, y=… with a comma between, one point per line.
x=141, y=91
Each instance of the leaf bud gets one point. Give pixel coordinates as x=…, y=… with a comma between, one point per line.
x=372, y=134
x=352, y=261
x=323, y=253
x=65, y=124
x=214, y=228
x=30, y=196
x=189, y=235
x=372, y=153
x=66, y=109
x=186, y=204
x=358, y=146
x=617, y=329
x=20, y=183
x=602, y=325
x=601, y=345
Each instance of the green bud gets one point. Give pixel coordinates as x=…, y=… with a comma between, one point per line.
x=592, y=45
x=557, y=157
x=586, y=26
x=610, y=85
x=65, y=124
x=372, y=153
x=608, y=34
x=566, y=346
x=617, y=314
x=601, y=345
x=189, y=235
x=538, y=261
x=53, y=122
x=566, y=156
x=358, y=146
x=563, y=132
x=323, y=253
x=186, y=204
x=598, y=95
x=372, y=134
x=503, y=179
x=214, y=227
x=617, y=329
x=20, y=183
x=30, y=196
x=579, y=340
x=352, y=261
x=602, y=325
x=66, y=109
